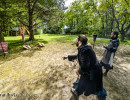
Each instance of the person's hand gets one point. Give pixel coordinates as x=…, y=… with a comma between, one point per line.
x=104, y=46
x=65, y=57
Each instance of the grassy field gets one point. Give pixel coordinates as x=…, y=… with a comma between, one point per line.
x=15, y=42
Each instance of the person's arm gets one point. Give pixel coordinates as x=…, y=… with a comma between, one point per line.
x=70, y=57
x=115, y=46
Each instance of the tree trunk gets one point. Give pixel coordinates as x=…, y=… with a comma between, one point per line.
x=1, y=36
x=112, y=24
x=77, y=21
x=122, y=36
x=71, y=25
x=30, y=12
x=106, y=26
x=31, y=27
x=103, y=30
x=74, y=23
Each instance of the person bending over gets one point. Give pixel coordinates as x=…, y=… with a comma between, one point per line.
x=90, y=71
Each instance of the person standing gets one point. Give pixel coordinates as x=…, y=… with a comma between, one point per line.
x=109, y=53
x=22, y=31
x=89, y=72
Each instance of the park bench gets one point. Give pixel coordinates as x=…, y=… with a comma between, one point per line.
x=3, y=48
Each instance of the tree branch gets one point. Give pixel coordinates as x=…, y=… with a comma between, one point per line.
x=98, y=12
x=34, y=5
x=24, y=23
x=113, y=11
x=127, y=28
x=127, y=3
x=123, y=23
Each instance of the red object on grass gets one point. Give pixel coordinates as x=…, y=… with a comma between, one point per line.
x=4, y=46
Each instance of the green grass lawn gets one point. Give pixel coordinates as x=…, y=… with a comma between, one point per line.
x=15, y=42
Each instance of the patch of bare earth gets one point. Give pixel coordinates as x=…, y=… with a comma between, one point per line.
x=118, y=80
x=43, y=75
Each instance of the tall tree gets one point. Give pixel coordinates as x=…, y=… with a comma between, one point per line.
x=99, y=16
x=5, y=18
x=121, y=12
x=37, y=9
x=1, y=35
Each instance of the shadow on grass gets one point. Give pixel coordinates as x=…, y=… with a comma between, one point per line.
x=126, y=42
x=15, y=48
x=64, y=39
x=15, y=44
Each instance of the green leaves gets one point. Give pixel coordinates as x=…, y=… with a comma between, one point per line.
x=98, y=16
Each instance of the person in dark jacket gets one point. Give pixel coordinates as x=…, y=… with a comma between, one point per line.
x=90, y=71
x=109, y=53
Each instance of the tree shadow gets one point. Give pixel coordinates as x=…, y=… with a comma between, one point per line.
x=15, y=49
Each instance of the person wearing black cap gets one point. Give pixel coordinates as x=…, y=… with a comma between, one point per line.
x=89, y=72
x=109, y=53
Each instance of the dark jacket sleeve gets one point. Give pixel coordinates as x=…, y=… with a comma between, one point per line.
x=84, y=61
x=72, y=57
x=115, y=46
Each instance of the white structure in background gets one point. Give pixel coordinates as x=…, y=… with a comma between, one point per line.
x=64, y=28
x=68, y=2
x=45, y=26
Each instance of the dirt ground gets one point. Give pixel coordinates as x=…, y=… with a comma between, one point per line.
x=41, y=74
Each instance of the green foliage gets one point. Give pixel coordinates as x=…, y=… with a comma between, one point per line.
x=37, y=32
x=6, y=16
x=128, y=35
x=52, y=30
x=98, y=17
x=30, y=13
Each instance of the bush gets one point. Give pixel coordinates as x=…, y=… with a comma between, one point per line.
x=74, y=30
x=37, y=32
x=52, y=31
x=67, y=30
x=128, y=35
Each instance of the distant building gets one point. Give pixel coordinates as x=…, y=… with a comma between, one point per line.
x=14, y=31
x=64, y=29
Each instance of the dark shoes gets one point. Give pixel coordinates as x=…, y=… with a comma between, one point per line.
x=76, y=97
x=105, y=74
x=101, y=97
x=75, y=94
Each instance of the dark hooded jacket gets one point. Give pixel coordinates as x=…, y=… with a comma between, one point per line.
x=90, y=71
x=109, y=53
